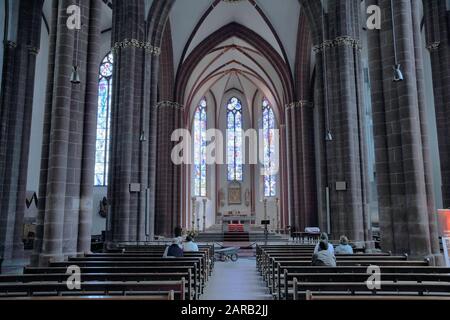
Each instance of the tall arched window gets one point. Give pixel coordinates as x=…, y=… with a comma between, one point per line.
x=200, y=126
x=103, y=120
x=234, y=139
x=268, y=119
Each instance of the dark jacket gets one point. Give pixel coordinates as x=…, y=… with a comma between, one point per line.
x=175, y=251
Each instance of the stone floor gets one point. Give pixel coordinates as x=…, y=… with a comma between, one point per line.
x=236, y=281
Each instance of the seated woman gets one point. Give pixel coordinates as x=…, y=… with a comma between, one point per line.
x=323, y=258
x=190, y=245
x=343, y=247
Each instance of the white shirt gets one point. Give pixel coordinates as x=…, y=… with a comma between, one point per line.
x=330, y=248
x=190, y=247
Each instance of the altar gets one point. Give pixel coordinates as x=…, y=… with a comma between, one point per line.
x=237, y=222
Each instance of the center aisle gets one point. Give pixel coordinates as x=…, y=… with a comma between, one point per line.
x=236, y=281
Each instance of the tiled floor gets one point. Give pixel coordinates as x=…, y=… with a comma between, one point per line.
x=236, y=281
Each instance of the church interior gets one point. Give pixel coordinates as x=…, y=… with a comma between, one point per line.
x=224, y=150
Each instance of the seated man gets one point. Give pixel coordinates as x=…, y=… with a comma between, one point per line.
x=323, y=258
x=344, y=247
x=190, y=245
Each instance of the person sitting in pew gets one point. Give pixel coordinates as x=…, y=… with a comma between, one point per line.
x=323, y=258
x=190, y=245
x=324, y=238
x=175, y=250
x=344, y=247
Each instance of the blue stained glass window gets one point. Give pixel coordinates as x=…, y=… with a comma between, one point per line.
x=234, y=140
x=268, y=119
x=200, y=127
x=103, y=120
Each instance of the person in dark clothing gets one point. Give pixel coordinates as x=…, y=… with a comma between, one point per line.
x=175, y=250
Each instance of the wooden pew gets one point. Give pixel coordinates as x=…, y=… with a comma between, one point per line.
x=379, y=297
x=157, y=297
x=156, y=262
x=284, y=292
x=271, y=270
x=333, y=273
x=192, y=281
x=92, y=288
x=106, y=277
x=387, y=288
x=143, y=257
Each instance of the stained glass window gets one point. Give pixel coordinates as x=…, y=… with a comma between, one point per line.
x=268, y=120
x=200, y=127
x=103, y=120
x=234, y=139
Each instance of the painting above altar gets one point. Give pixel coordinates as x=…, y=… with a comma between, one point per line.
x=234, y=193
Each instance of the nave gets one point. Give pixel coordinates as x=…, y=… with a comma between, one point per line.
x=280, y=272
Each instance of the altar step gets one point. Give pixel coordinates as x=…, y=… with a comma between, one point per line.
x=239, y=237
x=236, y=237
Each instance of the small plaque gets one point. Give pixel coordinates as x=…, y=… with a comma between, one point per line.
x=265, y=222
x=341, y=186
x=135, y=187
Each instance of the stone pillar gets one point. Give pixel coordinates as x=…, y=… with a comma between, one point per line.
x=344, y=158
x=129, y=124
x=168, y=176
x=300, y=132
x=404, y=178
x=67, y=164
x=437, y=33
x=169, y=118
x=15, y=126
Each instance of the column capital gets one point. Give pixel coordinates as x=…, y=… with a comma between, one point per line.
x=10, y=44
x=169, y=104
x=346, y=41
x=33, y=50
x=434, y=46
x=134, y=43
x=299, y=104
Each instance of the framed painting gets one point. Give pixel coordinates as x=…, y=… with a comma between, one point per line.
x=234, y=193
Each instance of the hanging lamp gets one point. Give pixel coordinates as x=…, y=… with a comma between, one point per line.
x=398, y=74
x=75, y=75
x=328, y=135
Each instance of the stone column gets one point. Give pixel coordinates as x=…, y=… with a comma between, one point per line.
x=65, y=204
x=344, y=158
x=15, y=126
x=300, y=125
x=404, y=180
x=169, y=117
x=437, y=33
x=129, y=124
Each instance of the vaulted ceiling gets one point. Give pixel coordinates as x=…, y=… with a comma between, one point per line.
x=277, y=23
x=232, y=62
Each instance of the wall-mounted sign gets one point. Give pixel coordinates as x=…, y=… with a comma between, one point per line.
x=444, y=222
x=341, y=186
x=135, y=187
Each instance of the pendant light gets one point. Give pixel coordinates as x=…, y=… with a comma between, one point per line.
x=328, y=135
x=398, y=75
x=75, y=76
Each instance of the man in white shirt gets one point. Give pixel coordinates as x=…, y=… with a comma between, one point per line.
x=190, y=245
